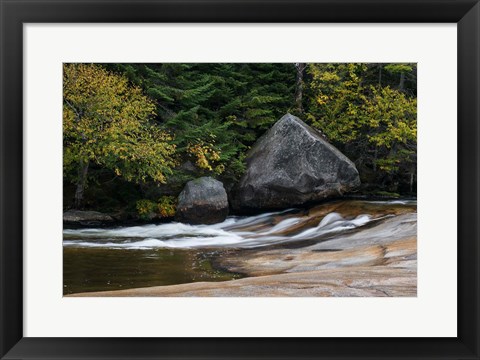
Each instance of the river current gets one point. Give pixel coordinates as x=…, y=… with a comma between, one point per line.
x=171, y=253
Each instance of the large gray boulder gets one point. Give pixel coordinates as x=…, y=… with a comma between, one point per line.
x=292, y=164
x=202, y=201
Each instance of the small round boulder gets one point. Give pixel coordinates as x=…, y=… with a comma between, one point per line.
x=202, y=201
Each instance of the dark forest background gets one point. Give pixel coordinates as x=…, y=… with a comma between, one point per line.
x=134, y=134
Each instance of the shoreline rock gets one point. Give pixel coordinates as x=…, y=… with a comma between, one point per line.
x=361, y=281
x=202, y=201
x=379, y=261
x=87, y=218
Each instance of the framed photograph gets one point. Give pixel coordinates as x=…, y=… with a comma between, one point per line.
x=239, y=179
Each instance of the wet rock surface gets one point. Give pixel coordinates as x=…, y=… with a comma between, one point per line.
x=351, y=282
x=376, y=259
x=391, y=242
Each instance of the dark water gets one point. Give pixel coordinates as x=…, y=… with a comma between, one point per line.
x=99, y=269
x=175, y=253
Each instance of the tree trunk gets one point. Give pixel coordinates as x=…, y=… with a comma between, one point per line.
x=412, y=176
x=81, y=182
x=380, y=75
x=402, y=81
x=299, y=86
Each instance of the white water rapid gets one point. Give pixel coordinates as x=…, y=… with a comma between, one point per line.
x=235, y=232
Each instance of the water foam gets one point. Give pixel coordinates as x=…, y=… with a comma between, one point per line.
x=233, y=232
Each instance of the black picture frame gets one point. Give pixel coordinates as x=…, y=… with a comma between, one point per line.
x=14, y=13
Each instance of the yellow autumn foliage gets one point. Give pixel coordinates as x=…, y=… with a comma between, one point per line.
x=107, y=121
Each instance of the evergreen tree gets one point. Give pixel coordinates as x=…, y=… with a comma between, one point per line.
x=215, y=111
x=168, y=123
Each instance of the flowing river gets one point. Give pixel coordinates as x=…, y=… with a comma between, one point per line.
x=174, y=253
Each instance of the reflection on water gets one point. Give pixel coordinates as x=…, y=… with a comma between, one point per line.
x=175, y=253
x=97, y=269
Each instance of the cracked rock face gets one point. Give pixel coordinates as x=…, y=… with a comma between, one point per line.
x=202, y=201
x=292, y=164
